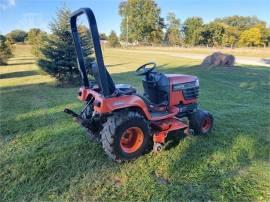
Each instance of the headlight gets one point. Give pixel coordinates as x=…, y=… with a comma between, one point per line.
x=197, y=83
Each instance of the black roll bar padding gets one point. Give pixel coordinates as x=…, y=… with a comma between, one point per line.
x=96, y=42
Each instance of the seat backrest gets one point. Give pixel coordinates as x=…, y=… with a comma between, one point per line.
x=157, y=89
x=95, y=73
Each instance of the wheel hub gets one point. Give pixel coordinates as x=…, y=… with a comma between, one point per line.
x=131, y=139
x=206, y=124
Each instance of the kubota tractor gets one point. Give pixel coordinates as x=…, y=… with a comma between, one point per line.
x=127, y=123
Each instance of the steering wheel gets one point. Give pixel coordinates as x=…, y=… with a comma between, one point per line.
x=142, y=70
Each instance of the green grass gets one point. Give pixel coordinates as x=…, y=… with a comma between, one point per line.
x=44, y=155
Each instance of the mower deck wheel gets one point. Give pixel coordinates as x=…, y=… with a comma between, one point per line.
x=157, y=147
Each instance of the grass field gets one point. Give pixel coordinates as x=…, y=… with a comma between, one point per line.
x=243, y=52
x=45, y=156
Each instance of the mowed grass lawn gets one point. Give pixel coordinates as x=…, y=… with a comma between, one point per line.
x=44, y=155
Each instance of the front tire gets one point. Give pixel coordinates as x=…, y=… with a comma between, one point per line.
x=125, y=136
x=201, y=122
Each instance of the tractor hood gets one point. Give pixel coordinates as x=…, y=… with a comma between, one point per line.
x=180, y=78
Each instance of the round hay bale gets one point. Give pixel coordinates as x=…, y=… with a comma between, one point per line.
x=219, y=59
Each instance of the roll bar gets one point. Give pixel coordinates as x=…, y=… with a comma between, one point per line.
x=96, y=42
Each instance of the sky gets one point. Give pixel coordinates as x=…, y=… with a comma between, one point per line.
x=26, y=14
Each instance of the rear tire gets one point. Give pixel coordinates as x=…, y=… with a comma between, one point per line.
x=125, y=136
x=201, y=122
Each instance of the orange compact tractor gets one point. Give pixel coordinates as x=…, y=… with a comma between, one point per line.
x=126, y=123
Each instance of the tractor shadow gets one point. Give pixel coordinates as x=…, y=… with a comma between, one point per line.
x=173, y=139
x=115, y=65
x=18, y=74
x=22, y=59
x=21, y=63
x=32, y=101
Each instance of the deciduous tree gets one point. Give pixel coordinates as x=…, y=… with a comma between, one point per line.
x=17, y=36
x=265, y=33
x=172, y=35
x=230, y=36
x=36, y=37
x=251, y=37
x=216, y=31
x=113, y=39
x=240, y=22
x=32, y=35
x=141, y=21
x=192, y=29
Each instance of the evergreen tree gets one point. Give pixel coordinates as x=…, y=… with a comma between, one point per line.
x=58, y=52
x=113, y=40
x=87, y=45
x=5, y=50
x=172, y=36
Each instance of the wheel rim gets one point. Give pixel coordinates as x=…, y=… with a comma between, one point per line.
x=131, y=139
x=206, y=125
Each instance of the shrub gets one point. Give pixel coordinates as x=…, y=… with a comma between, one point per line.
x=17, y=36
x=5, y=50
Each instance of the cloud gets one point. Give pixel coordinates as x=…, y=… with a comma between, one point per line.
x=5, y=4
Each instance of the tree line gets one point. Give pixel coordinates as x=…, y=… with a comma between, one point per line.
x=142, y=24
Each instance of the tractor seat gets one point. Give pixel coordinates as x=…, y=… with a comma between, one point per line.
x=125, y=89
x=118, y=89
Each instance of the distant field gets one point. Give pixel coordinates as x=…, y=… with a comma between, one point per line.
x=45, y=156
x=246, y=52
